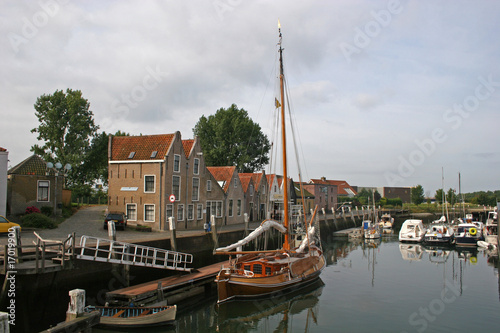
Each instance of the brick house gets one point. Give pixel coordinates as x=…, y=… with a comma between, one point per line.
x=31, y=183
x=325, y=193
x=234, y=204
x=404, y=193
x=146, y=171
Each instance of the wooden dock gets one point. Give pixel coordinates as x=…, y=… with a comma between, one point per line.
x=351, y=232
x=171, y=289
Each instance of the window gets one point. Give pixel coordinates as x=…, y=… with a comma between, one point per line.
x=209, y=185
x=43, y=190
x=196, y=189
x=149, y=184
x=239, y=207
x=199, y=212
x=190, y=212
x=230, y=207
x=177, y=163
x=263, y=191
x=196, y=167
x=170, y=211
x=153, y=154
x=132, y=212
x=251, y=190
x=176, y=187
x=149, y=213
x=180, y=213
x=268, y=270
x=257, y=268
x=215, y=208
x=132, y=154
x=235, y=182
x=219, y=208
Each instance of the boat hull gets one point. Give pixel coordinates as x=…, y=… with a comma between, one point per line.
x=466, y=241
x=164, y=316
x=236, y=286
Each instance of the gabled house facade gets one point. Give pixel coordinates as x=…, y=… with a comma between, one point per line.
x=31, y=183
x=154, y=177
x=228, y=179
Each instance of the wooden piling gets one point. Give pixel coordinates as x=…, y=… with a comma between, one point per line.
x=76, y=304
x=4, y=322
x=173, y=236
x=214, y=231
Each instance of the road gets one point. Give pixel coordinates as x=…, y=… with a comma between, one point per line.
x=89, y=221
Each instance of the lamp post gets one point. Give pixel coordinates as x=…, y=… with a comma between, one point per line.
x=56, y=168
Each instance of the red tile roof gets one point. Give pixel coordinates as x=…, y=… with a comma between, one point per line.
x=245, y=179
x=3, y=149
x=223, y=174
x=188, y=145
x=33, y=165
x=343, y=188
x=143, y=146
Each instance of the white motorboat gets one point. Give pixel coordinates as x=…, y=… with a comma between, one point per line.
x=491, y=228
x=468, y=234
x=439, y=232
x=411, y=252
x=386, y=222
x=412, y=231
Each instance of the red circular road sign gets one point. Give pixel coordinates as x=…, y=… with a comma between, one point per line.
x=171, y=198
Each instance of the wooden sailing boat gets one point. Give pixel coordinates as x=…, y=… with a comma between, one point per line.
x=263, y=273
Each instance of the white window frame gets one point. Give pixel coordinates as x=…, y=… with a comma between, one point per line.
x=190, y=212
x=180, y=208
x=196, y=166
x=170, y=208
x=154, y=212
x=154, y=183
x=199, y=212
x=177, y=163
x=40, y=187
x=131, y=218
x=195, y=195
x=177, y=195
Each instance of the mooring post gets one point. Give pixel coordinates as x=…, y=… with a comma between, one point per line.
x=76, y=304
x=214, y=231
x=173, y=236
x=4, y=322
x=246, y=223
x=15, y=234
x=111, y=231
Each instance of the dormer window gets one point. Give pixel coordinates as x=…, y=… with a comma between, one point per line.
x=132, y=154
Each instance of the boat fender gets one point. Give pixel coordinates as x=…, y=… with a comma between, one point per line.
x=473, y=231
x=473, y=260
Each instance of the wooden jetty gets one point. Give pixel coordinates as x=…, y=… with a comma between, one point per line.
x=351, y=232
x=171, y=289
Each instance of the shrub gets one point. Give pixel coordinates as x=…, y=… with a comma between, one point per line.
x=46, y=210
x=38, y=220
x=31, y=210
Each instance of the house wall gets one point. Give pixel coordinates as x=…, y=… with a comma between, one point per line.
x=235, y=193
x=4, y=162
x=23, y=192
x=404, y=193
x=325, y=196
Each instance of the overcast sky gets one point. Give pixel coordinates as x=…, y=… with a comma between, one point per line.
x=385, y=93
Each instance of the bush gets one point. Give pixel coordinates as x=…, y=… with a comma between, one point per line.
x=46, y=210
x=38, y=220
x=31, y=210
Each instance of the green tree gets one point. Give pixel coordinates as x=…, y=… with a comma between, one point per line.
x=439, y=196
x=451, y=197
x=417, y=194
x=230, y=137
x=66, y=128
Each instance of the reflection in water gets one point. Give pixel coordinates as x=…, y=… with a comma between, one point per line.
x=411, y=252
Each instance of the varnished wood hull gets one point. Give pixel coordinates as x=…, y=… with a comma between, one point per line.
x=236, y=286
x=147, y=316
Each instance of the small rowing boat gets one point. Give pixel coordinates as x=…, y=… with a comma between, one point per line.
x=135, y=316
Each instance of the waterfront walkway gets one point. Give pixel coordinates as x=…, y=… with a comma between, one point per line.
x=89, y=221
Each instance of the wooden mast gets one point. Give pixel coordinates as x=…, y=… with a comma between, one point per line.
x=286, y=244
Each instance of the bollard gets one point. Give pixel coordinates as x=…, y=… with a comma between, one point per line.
x=4, y=322
x=111, y=231
x=173, y=237
x=76, y=304
x=214, y=231
x=246, y=223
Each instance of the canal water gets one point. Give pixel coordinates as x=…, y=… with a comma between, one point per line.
x=381, y=286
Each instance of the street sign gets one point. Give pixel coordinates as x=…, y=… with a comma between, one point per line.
x=172, y=198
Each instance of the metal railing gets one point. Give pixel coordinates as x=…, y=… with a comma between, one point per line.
x=105, y=250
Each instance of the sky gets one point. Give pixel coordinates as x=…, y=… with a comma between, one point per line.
x=383, y=93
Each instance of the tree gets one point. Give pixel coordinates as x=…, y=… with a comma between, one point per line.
x=417, y=194
x=230, y=137
x=66, y=127
x=439, y=196
x=451, y=197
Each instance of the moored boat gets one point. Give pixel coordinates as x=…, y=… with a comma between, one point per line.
x=468, y=234
x=491, y=228
x=370, y=230
x=127, y=317
x=412, y=231
x=439, y=232
x=386, y=222
x=253, y=274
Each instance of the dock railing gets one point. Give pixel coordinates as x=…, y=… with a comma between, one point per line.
x=105, y=250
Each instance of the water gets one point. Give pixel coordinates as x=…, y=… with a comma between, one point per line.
x=376, y=287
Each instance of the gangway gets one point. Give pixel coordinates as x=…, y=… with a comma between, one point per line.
x=105, y=250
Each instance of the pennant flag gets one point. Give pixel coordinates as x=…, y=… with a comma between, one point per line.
x=277, y=103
